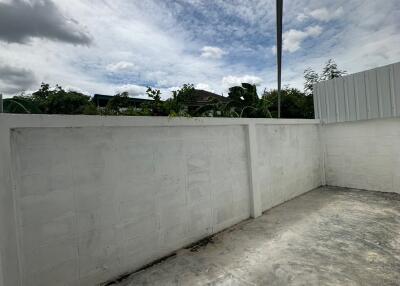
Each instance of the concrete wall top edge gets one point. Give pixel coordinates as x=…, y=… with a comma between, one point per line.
x=362, y=121
x=85, y=191
x=39, y=120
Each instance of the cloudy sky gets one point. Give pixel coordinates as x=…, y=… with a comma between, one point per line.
x=107, y=46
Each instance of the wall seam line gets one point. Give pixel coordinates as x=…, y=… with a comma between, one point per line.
x=255, y=195
x=16, y=214
x=392, y=90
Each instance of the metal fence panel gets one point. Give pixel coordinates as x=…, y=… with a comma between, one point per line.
x=371, y=89
x=359, y=87
x=370, y=94
x=323, y=106
x=341, y=100
x=395, y=88
x=383, y=80
x=331, y=100
x=351, y=98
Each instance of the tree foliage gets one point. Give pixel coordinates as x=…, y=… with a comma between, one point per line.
x=20, y=104
x=118, y=104
x=310, y=78
x=156, y=106
x=329, y=71
x=242, y=101
x=177, y=105
x=49, y=100
x=294, y=103
x=58, y=101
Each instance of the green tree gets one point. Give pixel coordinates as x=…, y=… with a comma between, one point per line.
x=40, y=97
x=310, y=78
x=118, y=104
x=58, y=101
x=294, y=103
x=244, y=102
x=21, y=104
x=156, y=107
x=177, y=105
x=331, y=71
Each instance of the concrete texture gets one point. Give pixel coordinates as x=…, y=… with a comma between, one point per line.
x=84, y=199
x=288, y=162
x=96, y=202
x=363, y=154
x=329, y=236
x=88, y=198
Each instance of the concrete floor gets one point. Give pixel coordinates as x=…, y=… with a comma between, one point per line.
x=329, y=236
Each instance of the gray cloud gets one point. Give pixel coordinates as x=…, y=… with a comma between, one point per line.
x=13, y=80
x=21, y=20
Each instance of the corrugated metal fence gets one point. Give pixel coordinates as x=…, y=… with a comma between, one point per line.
x=370, y=94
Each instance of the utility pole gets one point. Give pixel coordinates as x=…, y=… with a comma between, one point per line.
x=279, y=14
x=1, y=103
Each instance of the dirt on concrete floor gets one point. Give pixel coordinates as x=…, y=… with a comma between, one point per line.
x=329, y=236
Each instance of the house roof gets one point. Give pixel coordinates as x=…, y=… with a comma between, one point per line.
x=199, y=98
x=203, y=97
x=102, y=100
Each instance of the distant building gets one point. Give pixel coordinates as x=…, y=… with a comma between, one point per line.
x=101, y=100
x=202, y=98
x=199, y=99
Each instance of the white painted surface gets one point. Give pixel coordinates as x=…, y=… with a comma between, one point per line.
x=90, y=198
x=363, y=154
x=8, y=239
x=366, y=95
x=1, y=271
x=253, y=155
x=289, y=162
x=111, y=199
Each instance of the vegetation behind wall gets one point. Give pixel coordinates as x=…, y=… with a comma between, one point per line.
x=242, y=101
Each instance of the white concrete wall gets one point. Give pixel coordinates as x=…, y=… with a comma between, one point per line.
x=85, y=199
x=1, y=272
x=8, y=239
x=363, y=154
x=289, y=162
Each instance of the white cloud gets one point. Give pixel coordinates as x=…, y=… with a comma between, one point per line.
x=321, y=14
x=313, y=31
x=230, y=81
x=324, y=15
x=76, y=89
x=204, y=86
x=292, y=39
x=133, y=90
x=173, y=88
x=273, y=50
x=166, y=48
x=168, y=62
x=15, y=79
x=212, y=52
x=121, y=67
x=22, y=20
x=301, y=17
